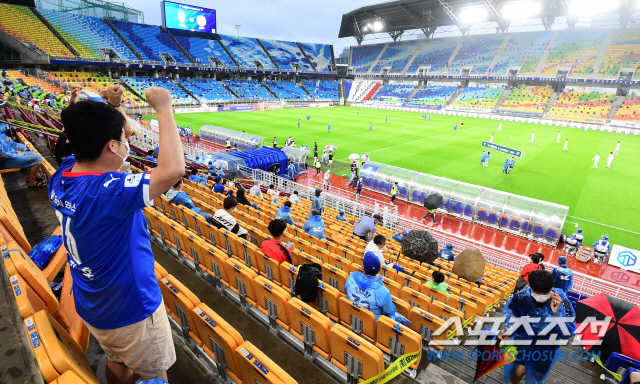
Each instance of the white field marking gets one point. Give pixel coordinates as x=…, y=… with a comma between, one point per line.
x=427, y=138
x=610, y=226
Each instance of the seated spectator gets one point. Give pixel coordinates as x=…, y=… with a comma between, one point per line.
x=377, y=246
x=11, y=158
x=274, y=247
x=177, y=197
x=399, y=236
x=536, y=263
x=366, y=290
x=314, y=225
x=223, y=218
x=340, y=216
x=562, y=276
x=447, y=253
x=241, y=196
x=218, y=187
x=294, y=198
x=274, y=200
x=255, y=191
x=197, y=178
x=230, y=184
x=272, y=190
x=438, y=283
x=150, y=156
x=212, y=168
x=8, y=142
x=283, y=213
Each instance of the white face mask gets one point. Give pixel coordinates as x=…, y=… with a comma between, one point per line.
x=541, y=298
x=126, y=144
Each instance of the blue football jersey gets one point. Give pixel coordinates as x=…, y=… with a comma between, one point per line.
x=108, y=248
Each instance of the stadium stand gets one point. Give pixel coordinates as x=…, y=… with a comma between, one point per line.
x=94, y=82
x=322, y=89
x=150, y=41
x=435, y=97
x=582, y=106
x=178, y=95
x=207, y=89
x=363, y=56
x=478, y=97
x=203, y=49
x=247, y=51
x=434, y=53
x=622, y=52
x=524, y=50
x=287, y=90
x=396, y=56
x=249, y=89
x=396, y=93
x=24, y=25
x=629, y=110
x=87, y=35
x=319, y=55
x=527, y=98
x=478, y=51
x=285, y=54
x=577, y=49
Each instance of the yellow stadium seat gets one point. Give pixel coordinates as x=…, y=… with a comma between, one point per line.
x=354, y=355
x=357, y=319
x=272, y=302
x=311, y=327
x=396, y=340
x=256, y=367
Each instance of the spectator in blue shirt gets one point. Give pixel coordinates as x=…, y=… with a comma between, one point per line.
x=284, y=213
x=218, y=187
x=150, y=156
x=212, y=168
x=316, y=203
x=341, y=217
x=179, y=198
x=365, y=228
x=99, y=209
x=196, y=178
x=314, y=225
x=291, y=169
x=399, y=236
x=447, y=253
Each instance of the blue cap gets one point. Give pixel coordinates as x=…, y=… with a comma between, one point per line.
x=218, y=178
x=342, y=211
x=318, y=189
x=449, y=246
x=405, y=233
x=605, y=237
x=579, y=231
x=371, y=263
x=562, y=261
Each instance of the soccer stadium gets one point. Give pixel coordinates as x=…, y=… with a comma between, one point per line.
x=451, y=198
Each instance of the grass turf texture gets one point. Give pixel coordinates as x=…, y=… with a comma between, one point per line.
x=602, y=201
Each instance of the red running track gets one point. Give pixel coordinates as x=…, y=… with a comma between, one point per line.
x=491, y=236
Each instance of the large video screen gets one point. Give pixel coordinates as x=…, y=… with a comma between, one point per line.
x=188, y=17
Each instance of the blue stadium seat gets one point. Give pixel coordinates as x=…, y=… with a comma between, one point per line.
x=150, y=41
x=434, y=53
x=376, y=184
x=415, y=196
x=323, y=89
x=403, y=192
x=320, y=55
x=526, y=227
x=287, y=90
x=468, y=210
x=504, y=221
x=538, y=231
x=285, y=54
x=514, y=224
x=246, y=51
x=551, y=234
x=202, y=49
x=493, y=218
x=459, y=208
x=482, y=214
x=423, y=196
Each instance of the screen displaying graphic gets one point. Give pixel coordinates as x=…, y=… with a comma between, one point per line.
x=188, y=18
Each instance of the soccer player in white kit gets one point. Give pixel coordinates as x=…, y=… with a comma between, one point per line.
x=615, y=152
x=596, y=159
x=491, y=139
x=533, y=136
x=499, y=127
x=566, y=145
x=609, y=160
x=558, y=139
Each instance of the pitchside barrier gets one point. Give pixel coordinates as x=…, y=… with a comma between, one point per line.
x=617, y=127
x=582, y=284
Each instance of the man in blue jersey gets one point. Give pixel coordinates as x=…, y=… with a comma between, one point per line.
x=358, y=113
x=298, y=123
x=512, y=162
x=370, y=127
x=99, y=209
x=483, y=157
x=506, y=165
x=429, y=118
x=455, y=127
x=386, y=119
x=329, y=128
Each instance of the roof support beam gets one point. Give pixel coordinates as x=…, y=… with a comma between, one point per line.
x=429, y=32
x=395, y=35
x=413, y=15
x=547, y=22
x=448, y=9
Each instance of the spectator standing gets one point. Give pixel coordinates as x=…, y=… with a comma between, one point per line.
x=365, y=228
x=394, y=191
x=115, y=289
x=314, y=226
x=327, y=179
x=316, y=203
x=562, y=276
x=536, y=263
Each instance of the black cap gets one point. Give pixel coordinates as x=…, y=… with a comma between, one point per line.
x=377, y=217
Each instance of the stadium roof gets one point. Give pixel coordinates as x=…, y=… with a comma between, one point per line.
x=395, y=17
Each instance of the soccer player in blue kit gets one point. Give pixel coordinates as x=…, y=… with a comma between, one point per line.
x=506, y=165
x=99, y=209
x=370, y=127
x=298, y=123
x=455, y=127
x=386, y=119
x=329, y=128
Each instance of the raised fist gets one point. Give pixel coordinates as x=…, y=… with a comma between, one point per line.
x=113, y=94
x=158, y=98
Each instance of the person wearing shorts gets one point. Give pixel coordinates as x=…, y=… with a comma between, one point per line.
x=100, y=212
x=11, y=158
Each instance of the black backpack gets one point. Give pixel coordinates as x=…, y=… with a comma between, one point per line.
x=307, y=282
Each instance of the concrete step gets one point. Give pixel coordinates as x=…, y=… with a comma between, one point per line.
x=545, y=55
x=499, y=53
x=378, y=58
x=603, y=50
x=504, y=97
x=551, y=102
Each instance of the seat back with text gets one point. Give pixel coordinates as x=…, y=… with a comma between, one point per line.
x=241, y=280
x=268, y=267
x=55, y=350
x=219, y=340
x=481, y=304
x=355, y=355
x=396, y=340
x=272, y=300
x=334, y=277
x=258, y=368
x=426, y=324
x=328, y=301
x=359, y=320
x=434, y=294
x=415, y=298
x=214, y=262
x=180, y=303
x=308, y=323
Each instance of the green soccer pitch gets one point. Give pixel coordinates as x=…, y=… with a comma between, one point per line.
x=603, y=201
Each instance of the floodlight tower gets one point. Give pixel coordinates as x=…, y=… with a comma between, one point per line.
x=238, y=29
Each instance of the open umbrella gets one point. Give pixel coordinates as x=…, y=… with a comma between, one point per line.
x=433, y=201
x=354, y=156
x=493, y=357
x=330, y=147
x=623, y=333
x=420, y=246
x=469, y=264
